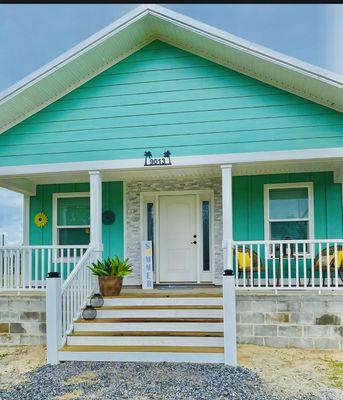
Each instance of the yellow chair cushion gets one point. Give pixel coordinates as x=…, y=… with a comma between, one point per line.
x=240, y=257
x=331, y=260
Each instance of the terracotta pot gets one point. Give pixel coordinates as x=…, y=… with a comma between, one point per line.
x=110, y=285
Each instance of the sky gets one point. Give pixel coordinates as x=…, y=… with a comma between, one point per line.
x=33, y=34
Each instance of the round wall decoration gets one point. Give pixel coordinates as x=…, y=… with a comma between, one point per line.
x=108, y=217
x=40, y=219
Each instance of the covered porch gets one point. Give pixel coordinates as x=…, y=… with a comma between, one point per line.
x=277, y=225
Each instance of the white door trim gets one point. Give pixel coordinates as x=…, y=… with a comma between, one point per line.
x=147, y=197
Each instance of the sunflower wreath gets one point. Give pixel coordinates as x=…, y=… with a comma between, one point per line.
x=40, y=219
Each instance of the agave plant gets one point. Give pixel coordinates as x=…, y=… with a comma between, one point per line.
x=112, y=267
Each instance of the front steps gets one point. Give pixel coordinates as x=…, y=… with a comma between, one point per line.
x=154, y=327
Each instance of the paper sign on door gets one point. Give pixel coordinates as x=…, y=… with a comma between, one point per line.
x=147, y=265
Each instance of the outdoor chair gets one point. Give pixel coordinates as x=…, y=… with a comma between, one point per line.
x=331, y=263
x=245, y=260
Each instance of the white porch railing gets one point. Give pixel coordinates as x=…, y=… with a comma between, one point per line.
x=288, y=264
x=75, y=291
x=26, y=267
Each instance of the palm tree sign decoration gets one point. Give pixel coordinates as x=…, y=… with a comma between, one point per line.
x=151, y=161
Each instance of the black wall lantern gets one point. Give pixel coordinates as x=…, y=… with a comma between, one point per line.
x=96, y=300
x=89, y=313
x=108, y=217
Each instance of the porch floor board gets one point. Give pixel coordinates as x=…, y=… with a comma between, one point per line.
x=104, y=320
x=144, y=349
x=148, y=333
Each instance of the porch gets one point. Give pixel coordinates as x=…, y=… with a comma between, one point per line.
x=276, y=232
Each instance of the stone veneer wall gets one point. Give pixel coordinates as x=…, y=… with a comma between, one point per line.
x=22, y=319
x=133, y=218
x=284, y=320
x=304, y=320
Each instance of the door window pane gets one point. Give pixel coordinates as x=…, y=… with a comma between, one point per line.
x=150, y=228
x=73, y=211
x=206, y=235
x=288, y=203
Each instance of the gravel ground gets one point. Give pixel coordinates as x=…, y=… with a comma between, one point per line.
x=140, y=381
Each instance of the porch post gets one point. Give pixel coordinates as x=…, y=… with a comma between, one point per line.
x=96, y=212
x=229, y=295
x=53, y=316
x=227, y=214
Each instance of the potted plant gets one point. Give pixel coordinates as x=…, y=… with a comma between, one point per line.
x=110, y=273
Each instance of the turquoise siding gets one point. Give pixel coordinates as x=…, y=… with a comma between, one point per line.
x=113, y=235
x=248, y=204
x=164, y=98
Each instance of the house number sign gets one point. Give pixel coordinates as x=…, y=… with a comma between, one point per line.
x=150, y=161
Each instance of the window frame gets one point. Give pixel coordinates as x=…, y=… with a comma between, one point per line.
x=294, y=185
x=57, y=196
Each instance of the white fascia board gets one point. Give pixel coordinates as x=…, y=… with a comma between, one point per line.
x=211, y=159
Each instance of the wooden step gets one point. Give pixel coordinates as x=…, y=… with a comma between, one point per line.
x=162, y=307
x=144, y=349
x=148, y=333
x=166, y=294
x=157, y=319
x=128, y=340
x=161, y=301
x=153, y=326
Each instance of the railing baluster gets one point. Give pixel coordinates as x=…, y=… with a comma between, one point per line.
x=289, y=265
x=274, y=267
x=36, y=268
x=17, y=269
x=236, y=266
x=258, y=265
x=30, y=268
x=2, y=285
x=68, y=261
x=296, y=265
x=244, y=263
x=251, y=265
x=336, y=264
x=281, y=264
x=320, y=262
x=304, y=266
x=328, y=277
x=312, y=264
x=43, y=268
x=266, y=251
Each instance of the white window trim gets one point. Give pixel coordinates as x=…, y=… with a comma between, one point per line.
x=310, y=219
x=55, y=197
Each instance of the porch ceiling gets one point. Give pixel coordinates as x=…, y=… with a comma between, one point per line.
x=26, y=183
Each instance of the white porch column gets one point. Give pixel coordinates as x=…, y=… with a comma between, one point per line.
x=227, y=213
x=229, y=293
x=96, y=212
x=53, y=316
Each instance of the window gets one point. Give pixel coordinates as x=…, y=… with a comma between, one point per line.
x=205, y=235
x=150, y=228
x=288, y=211
x=72, y=219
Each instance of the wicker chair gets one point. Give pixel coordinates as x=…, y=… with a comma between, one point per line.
x=332, y=262
x=247, y=262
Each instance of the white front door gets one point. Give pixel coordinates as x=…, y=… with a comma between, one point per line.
x=178, y=241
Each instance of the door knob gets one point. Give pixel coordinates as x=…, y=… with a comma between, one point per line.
x=195, y=242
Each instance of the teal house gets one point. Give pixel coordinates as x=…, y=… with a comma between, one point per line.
x=162, y=134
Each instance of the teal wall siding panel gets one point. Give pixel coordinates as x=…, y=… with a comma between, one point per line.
x=163, y=98
x=113, y=235
x=248, y=204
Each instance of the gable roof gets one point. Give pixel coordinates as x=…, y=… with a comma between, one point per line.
x=145, y=24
